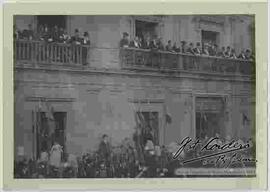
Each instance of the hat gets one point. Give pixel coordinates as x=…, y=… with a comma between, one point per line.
x=125, y=34
x=183, y=42
x=206, y=45
x=76, y=30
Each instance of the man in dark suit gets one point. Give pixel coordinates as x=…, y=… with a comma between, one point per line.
x=76, y=39
x=183, y=47
x=86, y=42
x=242, y=55
x=105, y=150
x=55, y=34
x=154, y=44
x=160, y=44
x=190, y=49
x=146, y=43
x=85, y=39
x=28, y=34
x=214, y=50
x=135, y=43
x=221, y=53
x=248, y=54
x=228, y=52
x=197, y=49
x=124, y=42
x=169, y=46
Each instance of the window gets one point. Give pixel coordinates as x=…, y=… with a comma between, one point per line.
x=209, y=117
x=52, y=20
x=148, y=123
x=145, y=28
x=49, y=130
x=210, y=37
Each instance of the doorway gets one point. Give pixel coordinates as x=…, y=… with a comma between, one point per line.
x=209, y=117
x=49, y=130
x=148, y=122
x=145, y=28
x=52, y=20
x=210, y=37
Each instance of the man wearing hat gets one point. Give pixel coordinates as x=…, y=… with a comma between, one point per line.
x=228, y=52
x=183, y=46
x=124, y=42
x=76, y=39
x=190, y=49
x=197, y=49
x=206, y=49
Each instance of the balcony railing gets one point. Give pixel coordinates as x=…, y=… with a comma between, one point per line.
x=132, y=58
x=50, y=53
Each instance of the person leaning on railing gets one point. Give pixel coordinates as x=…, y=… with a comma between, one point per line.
x=205, y=49
x=176, y=48
x=135, y=43
x=124, y=42
x=228, y=52
x=190, y=49
x=183, y=47
x=85, y=42
x=197, y=49
x=169, y=46
x=160, y=44
x=233, y=54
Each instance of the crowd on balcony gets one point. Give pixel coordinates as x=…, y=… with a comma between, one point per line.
x=54, y=34
x=206, y=49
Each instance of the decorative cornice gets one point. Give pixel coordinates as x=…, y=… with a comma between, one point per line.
x=145, y=101
x=146, y=73
x=48, y=99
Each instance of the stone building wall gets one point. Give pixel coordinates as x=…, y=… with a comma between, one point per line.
x=105, y=102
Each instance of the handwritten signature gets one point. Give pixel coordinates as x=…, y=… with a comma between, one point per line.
x=222, y=153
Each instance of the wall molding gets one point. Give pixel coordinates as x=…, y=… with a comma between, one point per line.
x=48, y=99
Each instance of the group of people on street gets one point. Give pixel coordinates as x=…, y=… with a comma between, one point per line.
x=207, y=49
x=54, y=34
x=134, y=157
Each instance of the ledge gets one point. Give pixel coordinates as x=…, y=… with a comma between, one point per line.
x=154, y=73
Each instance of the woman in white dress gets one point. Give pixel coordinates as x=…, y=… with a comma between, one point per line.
x=55, y=155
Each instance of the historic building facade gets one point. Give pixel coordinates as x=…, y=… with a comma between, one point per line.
x=203, y=96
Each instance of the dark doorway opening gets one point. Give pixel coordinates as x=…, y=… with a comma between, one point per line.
x=210, y=37
x=209, y=117
x=52, y=20
x=145, y=28
x=49, y=130
x=149, y=126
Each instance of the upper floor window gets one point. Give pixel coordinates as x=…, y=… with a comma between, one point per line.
x=210, y=37
x=145, y=29
x=52, y=20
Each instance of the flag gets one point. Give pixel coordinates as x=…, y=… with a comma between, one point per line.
x=141, y=119
x=168, y=118
x=49, y=111
x=204, y=117
x=245, y=119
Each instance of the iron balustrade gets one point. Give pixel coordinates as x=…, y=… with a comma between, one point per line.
x=134, y=58
x=50, y=52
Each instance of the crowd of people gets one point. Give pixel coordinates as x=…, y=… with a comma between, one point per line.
x=54, y=34
x=133, y=157
x=207, y=49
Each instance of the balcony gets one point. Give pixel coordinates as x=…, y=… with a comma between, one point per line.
x=132, y=58
x=32, y=52
x=38, y=52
